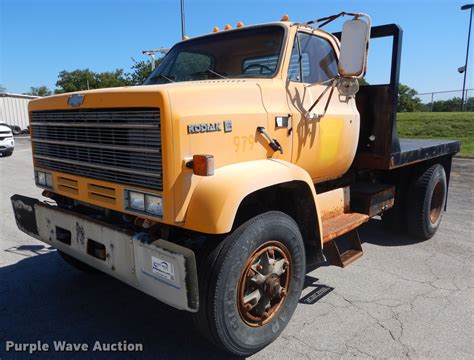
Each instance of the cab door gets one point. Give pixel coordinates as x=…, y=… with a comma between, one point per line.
x=324, y=144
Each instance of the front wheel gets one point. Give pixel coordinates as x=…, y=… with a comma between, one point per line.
x=251, y=283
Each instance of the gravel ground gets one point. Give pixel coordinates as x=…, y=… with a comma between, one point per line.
x=400, y=300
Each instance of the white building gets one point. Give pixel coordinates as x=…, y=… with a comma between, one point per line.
x=14, y=109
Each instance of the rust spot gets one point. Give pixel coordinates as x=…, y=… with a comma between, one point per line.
x=80, y=234
x=342, y=224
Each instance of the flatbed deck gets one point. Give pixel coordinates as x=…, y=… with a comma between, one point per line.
x=415, y=150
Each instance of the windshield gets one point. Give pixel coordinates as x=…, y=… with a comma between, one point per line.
x=228, y=54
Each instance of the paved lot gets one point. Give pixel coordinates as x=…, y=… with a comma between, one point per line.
x=401, y=300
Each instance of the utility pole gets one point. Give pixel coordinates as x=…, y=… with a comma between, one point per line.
x=183, y=32
x=466, y=7
x=151, y=54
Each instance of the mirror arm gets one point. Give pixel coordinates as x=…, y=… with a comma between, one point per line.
x=329, y=19
x=308, y=114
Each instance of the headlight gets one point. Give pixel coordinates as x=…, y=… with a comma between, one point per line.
x=153, y=205
x=49, y=180
x=136, y=201
x=150, y=204
x=44, y=179
x=41, y=178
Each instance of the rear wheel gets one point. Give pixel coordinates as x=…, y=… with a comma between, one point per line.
x=426, y=201
x=251, y=283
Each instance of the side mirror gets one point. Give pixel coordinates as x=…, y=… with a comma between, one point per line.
x=354, y=47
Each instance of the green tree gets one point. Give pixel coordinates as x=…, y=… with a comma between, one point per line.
x=140, y=71
x=83, y=79
x=39, y=91
x=2, y=88
x=453, y=104
x=407, y=99
x=469, y=104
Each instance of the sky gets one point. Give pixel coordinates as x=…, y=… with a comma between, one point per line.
x=40, y=38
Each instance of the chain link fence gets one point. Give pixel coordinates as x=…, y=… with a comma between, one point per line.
x=446, y=100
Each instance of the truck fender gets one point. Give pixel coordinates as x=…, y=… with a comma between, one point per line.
x=215, y=200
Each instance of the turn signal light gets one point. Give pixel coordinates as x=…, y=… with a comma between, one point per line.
x=216, y=29
x=227, y=27
x=285, y=18
x=240, y=24
x=203, y=165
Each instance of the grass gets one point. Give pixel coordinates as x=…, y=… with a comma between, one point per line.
x=439, y=125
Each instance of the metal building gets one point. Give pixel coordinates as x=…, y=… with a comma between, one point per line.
x=14, y=109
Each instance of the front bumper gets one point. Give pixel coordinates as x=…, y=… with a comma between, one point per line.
x=161, y=269
x=7, y=144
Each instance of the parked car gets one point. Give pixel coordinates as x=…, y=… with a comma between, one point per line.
x=7, y=143
x=16, y=130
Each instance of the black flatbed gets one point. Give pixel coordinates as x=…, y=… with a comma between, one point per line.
x=416, y=150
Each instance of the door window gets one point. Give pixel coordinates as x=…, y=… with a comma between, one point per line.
x=318, y=61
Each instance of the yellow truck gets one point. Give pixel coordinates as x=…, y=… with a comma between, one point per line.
x=249, y=156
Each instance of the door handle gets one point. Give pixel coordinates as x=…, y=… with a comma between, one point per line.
x=274, y=144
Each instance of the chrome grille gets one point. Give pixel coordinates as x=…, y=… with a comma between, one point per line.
x=119, y=145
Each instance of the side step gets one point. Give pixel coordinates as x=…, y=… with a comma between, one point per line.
x=352, y=252
x=341, y=240
x=341, y=224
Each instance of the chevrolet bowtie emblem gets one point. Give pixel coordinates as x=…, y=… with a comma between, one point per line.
x=75, y=100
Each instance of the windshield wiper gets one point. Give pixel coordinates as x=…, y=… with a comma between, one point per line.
x=167, y=78
x=209, y=71
x=164, y=77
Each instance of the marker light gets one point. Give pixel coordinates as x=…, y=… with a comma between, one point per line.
x=203, y=165
x=227, y=27
x=216, y=29
x=285, y=18
x=240, y=24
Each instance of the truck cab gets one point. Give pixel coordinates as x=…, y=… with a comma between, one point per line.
x=248, y=157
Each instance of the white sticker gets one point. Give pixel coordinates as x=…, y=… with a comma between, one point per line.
x=162, y=268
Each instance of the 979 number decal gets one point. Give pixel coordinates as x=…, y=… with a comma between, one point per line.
x=243, y=143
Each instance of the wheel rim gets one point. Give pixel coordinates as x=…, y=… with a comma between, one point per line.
x=436, y=202
x=264, y=283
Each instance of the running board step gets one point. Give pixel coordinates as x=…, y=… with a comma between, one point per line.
x=341, y=224
x=353, y=249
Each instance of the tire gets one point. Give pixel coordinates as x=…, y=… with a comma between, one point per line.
x=425, y=203
x=7, y=153
x=16, y=130
x=79, y=265
x=224, y=278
